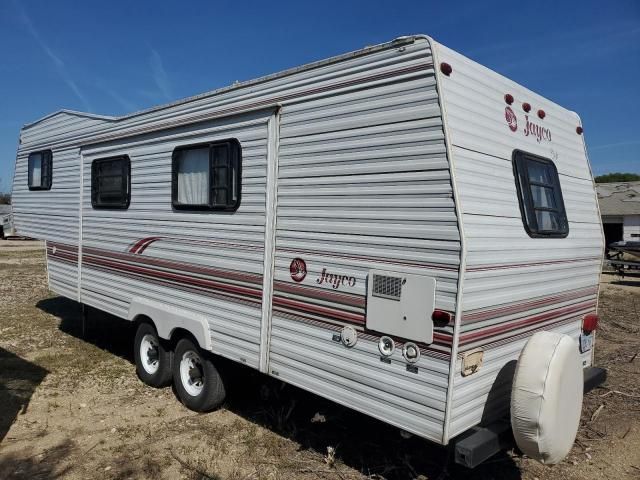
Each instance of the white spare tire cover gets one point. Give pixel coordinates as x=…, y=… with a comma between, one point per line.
x=546, y=400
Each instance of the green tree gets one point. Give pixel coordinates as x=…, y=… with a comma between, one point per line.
x=618, y=177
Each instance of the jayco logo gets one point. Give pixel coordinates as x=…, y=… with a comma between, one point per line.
x=335, y=280
x=511, y=119
x=530, y=128
x=538, y=131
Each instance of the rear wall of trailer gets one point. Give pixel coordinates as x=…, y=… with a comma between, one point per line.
x=513, y=284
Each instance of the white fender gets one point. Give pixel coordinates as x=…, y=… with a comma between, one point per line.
x=167, y=318
x=546, y=400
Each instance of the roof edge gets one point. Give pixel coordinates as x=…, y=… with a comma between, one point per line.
x=70, y=112
x=403, y=40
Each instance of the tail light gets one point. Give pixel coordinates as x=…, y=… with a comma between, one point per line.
x=589, y=323
x=441, y=317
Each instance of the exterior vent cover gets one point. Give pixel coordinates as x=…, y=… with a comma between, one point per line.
x=385, y=286
x=401, y=304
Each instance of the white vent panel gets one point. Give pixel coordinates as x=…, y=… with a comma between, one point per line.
x=401, y=305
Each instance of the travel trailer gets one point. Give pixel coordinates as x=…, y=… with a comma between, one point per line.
x=398, y=229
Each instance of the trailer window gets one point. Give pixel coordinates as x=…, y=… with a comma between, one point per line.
x=207, y=176
x=40, y=170
x=111, y=182
x=540, y=196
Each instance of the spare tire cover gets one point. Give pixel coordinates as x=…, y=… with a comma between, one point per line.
x=546, y=400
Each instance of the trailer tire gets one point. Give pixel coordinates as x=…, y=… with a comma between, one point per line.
x=153, y=358
x=546, y=399
x=196, y=379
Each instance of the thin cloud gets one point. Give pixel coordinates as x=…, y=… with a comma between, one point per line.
x=616, y=144
x=126, y=105
x=160, y=76
x=57, y=61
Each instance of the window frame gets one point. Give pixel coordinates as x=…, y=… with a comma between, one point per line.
x=235, y=152
x=520, y=161
x=124, y=205
x=48, y=155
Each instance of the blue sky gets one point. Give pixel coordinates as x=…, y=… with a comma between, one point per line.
x=115, y=57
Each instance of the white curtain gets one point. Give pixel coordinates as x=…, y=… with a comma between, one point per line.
x=35, y=165
x=193, y=177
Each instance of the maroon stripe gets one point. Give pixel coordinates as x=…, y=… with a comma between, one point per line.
x=187, y=267
x=142, y=242
x=179, y=278
x=520, y=307
x=329, y=312
x=144, y=246
x=526, y=334
x=185, y=288
x=489, y=332
x=529, y=264
x=344, y=298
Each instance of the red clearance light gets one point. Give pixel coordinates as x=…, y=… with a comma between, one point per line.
x=440, y=316
x=541, y=114
x=446, y=68
x=579, y=130
x=508, y=98
x=589, y=322
x=526, y=107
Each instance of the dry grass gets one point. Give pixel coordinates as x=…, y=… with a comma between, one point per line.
x=72, y=407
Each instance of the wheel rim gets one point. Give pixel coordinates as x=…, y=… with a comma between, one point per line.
x=149, y=354
x=192, y=373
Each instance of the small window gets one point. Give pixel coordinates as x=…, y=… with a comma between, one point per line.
x=39, y=170
x=207, y=176
x=111, y=182
x=540, y=196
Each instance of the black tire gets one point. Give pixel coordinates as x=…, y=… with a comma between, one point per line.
x=204, y=390
x=156, y=374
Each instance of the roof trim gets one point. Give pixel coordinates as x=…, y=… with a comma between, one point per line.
x=404, y=40
x=71, y=112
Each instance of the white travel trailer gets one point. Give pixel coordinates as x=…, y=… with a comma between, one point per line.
x=391, y=229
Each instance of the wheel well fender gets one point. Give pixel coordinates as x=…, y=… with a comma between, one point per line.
x=170, y=320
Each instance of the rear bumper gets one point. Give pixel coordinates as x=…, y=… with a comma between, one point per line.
x=479, y=443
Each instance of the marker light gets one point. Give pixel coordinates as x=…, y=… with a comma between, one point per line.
x=589, y=323
x=579, y=130
x=411, y=352
x=508, y=98
x=446, y=68
x=526, y=107
x=387, y=346
x=541, y=114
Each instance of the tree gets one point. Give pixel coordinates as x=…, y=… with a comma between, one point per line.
x=618, y=177
x=5, y=199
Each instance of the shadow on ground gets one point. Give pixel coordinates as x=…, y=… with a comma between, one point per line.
x=18, y=380
x=361, y=442
x=46, y=465
x=101, y=329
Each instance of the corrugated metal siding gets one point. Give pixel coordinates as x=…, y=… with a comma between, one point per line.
x=51, y=215
x=513, y=284
x=195, y=252
x=364, y=183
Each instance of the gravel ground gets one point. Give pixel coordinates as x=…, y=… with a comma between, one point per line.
x=72, y=407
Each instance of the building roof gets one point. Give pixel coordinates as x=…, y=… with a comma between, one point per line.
x=620, y=198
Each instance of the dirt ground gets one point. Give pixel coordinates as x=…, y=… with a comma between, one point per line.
x=72, y=407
